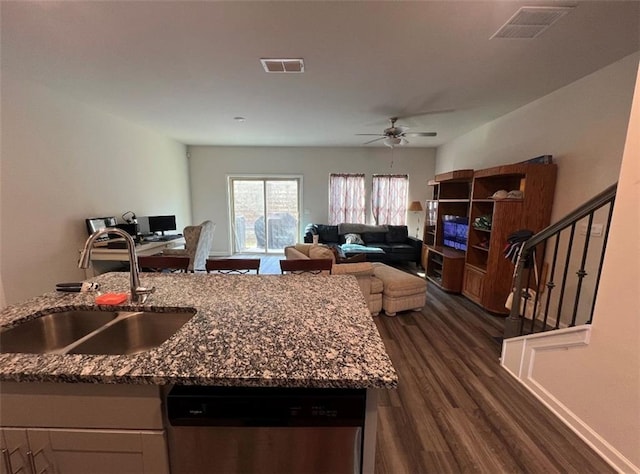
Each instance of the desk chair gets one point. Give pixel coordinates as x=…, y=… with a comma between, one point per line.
x=158, y=263
x=233, y=265
x=198, y=241
x=314, y=266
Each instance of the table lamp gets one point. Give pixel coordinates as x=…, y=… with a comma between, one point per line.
x=416, y=206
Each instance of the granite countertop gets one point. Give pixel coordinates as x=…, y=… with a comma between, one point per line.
x=265, y=330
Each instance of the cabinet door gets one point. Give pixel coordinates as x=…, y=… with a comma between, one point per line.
x=14, y=446
x=105, y=451
x=473, y=283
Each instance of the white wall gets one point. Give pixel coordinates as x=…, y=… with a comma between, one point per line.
x=604, y=388
x=583, y=125
x=64, y=161
x=209, y=167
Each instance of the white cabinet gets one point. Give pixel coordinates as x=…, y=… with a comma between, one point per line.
x=15, y=449
x=121, y=430
x=67, y=451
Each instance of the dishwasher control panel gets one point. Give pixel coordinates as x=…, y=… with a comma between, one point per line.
x=265, y=406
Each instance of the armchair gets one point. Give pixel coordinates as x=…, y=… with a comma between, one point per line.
x=198, y=241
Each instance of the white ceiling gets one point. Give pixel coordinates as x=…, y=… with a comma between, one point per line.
x=186, y=69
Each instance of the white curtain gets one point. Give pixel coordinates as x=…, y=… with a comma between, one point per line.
x=346, y=198
x=389, y=199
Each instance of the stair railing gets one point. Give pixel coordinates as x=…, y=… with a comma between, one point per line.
x=531, y=304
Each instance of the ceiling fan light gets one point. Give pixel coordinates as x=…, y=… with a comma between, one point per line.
x=392, y=141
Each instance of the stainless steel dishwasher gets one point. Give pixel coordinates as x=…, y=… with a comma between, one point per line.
x=265, y=430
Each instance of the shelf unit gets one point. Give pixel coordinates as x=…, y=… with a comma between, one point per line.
x=444, y=266
x=487, y=273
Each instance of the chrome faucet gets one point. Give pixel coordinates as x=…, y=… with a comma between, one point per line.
x=138, y=294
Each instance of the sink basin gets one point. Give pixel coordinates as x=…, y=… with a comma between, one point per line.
x=93, y=332
x=53, y=331
x=133, y=333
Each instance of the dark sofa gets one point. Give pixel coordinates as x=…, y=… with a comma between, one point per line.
x=393, y=240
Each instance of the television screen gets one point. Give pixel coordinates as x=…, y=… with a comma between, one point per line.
x=455, y=230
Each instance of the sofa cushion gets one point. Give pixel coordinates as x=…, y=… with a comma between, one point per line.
x=328, y=233
x=398, y=283
x=320, y=251
x=397, y=234
x=385, y=247
x=350, y=228
x=353, y=239
x=401, y=248
x=303, y=248
x=373, y=237
x=357, y=269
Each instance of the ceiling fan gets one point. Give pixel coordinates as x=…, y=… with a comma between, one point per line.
x=396, y=135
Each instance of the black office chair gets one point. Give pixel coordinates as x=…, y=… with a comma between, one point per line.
x=233, y=265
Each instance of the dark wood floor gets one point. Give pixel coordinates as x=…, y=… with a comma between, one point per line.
x=456, y=410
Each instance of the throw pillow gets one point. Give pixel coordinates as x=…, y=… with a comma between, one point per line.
x=353, y=239
x=397, y=234
x=302, y=248
x=320, y=251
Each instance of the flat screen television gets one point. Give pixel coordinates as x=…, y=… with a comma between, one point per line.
x=455, y=230
x=161, y=223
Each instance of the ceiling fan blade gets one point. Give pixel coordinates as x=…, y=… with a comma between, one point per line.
x=374, y=140
x=371, y=134
x=420, y=134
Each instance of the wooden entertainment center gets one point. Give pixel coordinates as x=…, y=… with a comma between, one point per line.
x=474, y=264
x=444, y=265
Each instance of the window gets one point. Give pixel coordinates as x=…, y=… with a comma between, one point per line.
x=389, y=199
x=265, y=213
x=346, y=198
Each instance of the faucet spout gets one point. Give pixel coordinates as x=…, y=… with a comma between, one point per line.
x=138, y=294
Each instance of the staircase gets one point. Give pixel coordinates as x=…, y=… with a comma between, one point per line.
x=568, y=260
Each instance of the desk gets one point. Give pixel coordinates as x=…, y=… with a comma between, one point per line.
x=104, y=259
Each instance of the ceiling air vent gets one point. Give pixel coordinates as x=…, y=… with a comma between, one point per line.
x=283, y=65
x=530, y=22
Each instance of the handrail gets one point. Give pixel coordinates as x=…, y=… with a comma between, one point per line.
x=513, y=323
x=584, y=210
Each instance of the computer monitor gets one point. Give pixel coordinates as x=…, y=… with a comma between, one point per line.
x=95, y=224
x=162, y=223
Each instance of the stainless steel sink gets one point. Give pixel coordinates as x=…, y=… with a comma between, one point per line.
x=135, y=332
x=53, y=331
x=93, y=332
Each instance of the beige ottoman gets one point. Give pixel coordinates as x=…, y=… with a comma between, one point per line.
x=401, y=291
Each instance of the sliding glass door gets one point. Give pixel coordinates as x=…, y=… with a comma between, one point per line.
x=265, y=213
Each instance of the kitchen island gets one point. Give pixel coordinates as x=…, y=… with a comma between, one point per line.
x=248, y=331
